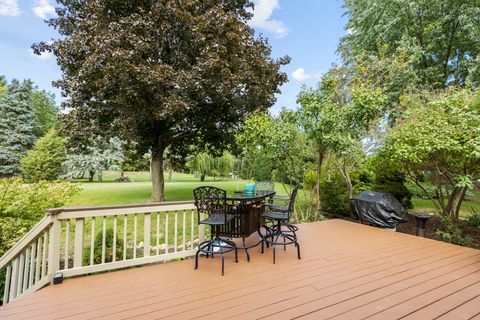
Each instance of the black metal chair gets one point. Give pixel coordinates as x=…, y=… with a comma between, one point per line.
x=211, y=201
x=281, y=219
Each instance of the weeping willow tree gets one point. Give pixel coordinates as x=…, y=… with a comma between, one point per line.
x=207, y=165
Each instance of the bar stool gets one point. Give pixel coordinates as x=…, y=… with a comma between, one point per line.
x=212, y=202
x=281, y=217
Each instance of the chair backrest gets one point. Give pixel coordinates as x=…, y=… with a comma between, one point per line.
x=264, y=186
x=291, y=202
x=209, y=200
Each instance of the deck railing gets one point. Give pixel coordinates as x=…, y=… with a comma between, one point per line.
x=76, y=241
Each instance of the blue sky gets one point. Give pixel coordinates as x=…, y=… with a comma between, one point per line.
x=306, y=30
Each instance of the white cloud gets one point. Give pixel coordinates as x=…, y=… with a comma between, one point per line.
x=9, y=8
x=43, y=9
x=261, y=18
x=43, y=56
x=300, y=75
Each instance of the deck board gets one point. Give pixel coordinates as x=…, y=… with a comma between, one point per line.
x=347, y=271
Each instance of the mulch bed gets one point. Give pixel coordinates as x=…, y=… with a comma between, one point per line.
x=433, y=225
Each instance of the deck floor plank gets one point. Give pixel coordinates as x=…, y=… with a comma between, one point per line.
x=347, y=271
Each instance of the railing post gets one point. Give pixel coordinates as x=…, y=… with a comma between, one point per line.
x=54, y=248
x=78, y=247
x=146, y=234
x=201, y=229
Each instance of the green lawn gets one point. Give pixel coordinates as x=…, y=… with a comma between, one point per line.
x=139, y=191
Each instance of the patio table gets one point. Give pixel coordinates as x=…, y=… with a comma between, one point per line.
x=248, y=209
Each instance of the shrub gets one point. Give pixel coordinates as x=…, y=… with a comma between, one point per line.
x=473, y=218
x=453, y=233
x=97, y=256
x=44, y=160
x=123, y=179
x=23, y=205
x=390, y=180
x=334, y=196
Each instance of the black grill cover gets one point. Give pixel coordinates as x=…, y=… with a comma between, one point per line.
x=379, y=209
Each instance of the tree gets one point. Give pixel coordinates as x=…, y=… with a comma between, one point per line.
x=206, y=164
x=163, y=73
x=335, y=116
x=438, y=141
x=46, y=111
x=427, y=44
x=17, y=124
x=281, y=140
x=44, y=160
x=99, y=155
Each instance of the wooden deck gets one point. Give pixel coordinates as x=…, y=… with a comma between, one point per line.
x=347, y=271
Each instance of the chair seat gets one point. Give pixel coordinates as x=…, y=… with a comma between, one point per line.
x=277, y=207
x=217, y=219
x=275, y=215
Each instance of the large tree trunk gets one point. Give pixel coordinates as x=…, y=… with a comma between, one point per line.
x=170, y=173
x=202, y=177
x=90, y=175
x=158, y=182
x=100, y=176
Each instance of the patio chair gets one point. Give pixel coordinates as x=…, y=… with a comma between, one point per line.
x=211, y=201
x=281, y=219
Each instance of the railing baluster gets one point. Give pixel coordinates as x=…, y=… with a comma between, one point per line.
x=21, y=268
x=158, y=234
x=92, y=241
x=125, y=237
x=114, y=244
x=45, y=253
x=67, y=243
x=184, y=230
x=39, y=260
x=104, y=234
x=33, y=252
x=201, y=229
x=166, y=232
x=175, y=232
x=146, y=234
x=6, y=291
x=135, y=236
x=14, y=279
x=192, y=228
x=78, y=244
x=26, y=270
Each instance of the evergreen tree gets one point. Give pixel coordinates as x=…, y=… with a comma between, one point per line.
x=17, y=124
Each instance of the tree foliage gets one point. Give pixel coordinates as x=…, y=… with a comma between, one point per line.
x=206, y=164
x=17, y=124
x=438, y=140
x=100, y=154
x=44, y=160
x=434, y=42
x=162, y=73
x=46, y=111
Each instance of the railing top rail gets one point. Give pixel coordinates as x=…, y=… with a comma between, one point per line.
x=54, y=211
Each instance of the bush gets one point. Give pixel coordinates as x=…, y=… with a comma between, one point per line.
x=473, y=218
x=452, y=233
x=390, y=180
x=97, y=256
x=334, y=196
x=44, y=160
x=23, y=205
x=123, y=179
